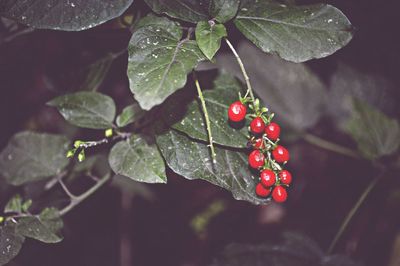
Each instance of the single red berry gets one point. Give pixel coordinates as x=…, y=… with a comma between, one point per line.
x=281, y=154
x=262, y=191
x=237, y=111
x=273, y=131
x=259, y=144
x=256, y=159
x=286, y=177
x=279, y=194
x=257, y=125
x=268, y=178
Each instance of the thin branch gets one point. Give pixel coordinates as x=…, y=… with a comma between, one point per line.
x=330, y=146
x=64, y=187
x=353, y=211
x=78, y=199
x=246, y=77
x=17, y=34
x=207, y=119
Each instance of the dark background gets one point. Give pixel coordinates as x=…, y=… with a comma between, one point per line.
x=156, y=229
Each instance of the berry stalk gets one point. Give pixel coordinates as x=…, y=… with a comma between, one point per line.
x=246, y=77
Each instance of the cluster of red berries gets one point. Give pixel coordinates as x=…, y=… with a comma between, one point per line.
x=264, y=142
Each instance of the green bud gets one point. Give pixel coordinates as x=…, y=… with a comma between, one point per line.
x=81, y=156
x=71, y=153
x=78, y=143
x=1, y=219
x=108, y=133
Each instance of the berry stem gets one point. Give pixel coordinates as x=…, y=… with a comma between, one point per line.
x=353, y=211
x=207, y=119
x=76, y=200
x=330, y=146
x=246, y=77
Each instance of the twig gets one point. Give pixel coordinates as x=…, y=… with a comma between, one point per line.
x=327, y=145
x=246, y=77
x=17, y=34
x=207, y=119
x=78, y=199
x=353, y=211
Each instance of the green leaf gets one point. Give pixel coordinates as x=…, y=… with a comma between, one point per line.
x=68, y=15
x=208, y=37
x=97, y=72
x=375, y=133
x=192, y=160
x=32, y=157
x=44, y=227
x=139, y=160
x=86, y=109
x=187, y=10
x=217, y=103
x=159, y=60
x=224, y=10
x=14, y=205
x=129, y=115
x=295, y=33
x=10, y=243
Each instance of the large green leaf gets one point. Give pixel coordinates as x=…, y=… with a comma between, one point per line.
x=33, y=156
x=224, y=10
x=295, y=249
x=137, y=159
x=159, y=60
x=86, y=109
x=10, y=243
x=192, y=160
x=44, y=227
x=208, y=37
x=375, y=133
x=217, y=103
x=187, y=10
x=69, y=15
x=295, y=33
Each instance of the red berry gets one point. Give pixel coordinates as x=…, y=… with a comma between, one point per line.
x=286, y=177
x=256, y=159
x=272, y=131
x=279, y=194
x=259, y=143
x=281, y=154
x=268, y=178
x=262, y=191
x=257, y=125
x=237, y=111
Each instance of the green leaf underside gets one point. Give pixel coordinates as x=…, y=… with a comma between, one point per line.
x=224, y=10
x=129, y=115
x=375, y=133
x=295, y=33
x=32, y=157
x=138, y=160
x=187, y=10
x=14, y=205
x=44, y=227
x=71, y=15
x=159, y=60
x=86, y=109
x=192, y=160
x=217, y=103
x=10, y=243
x=209, y=37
